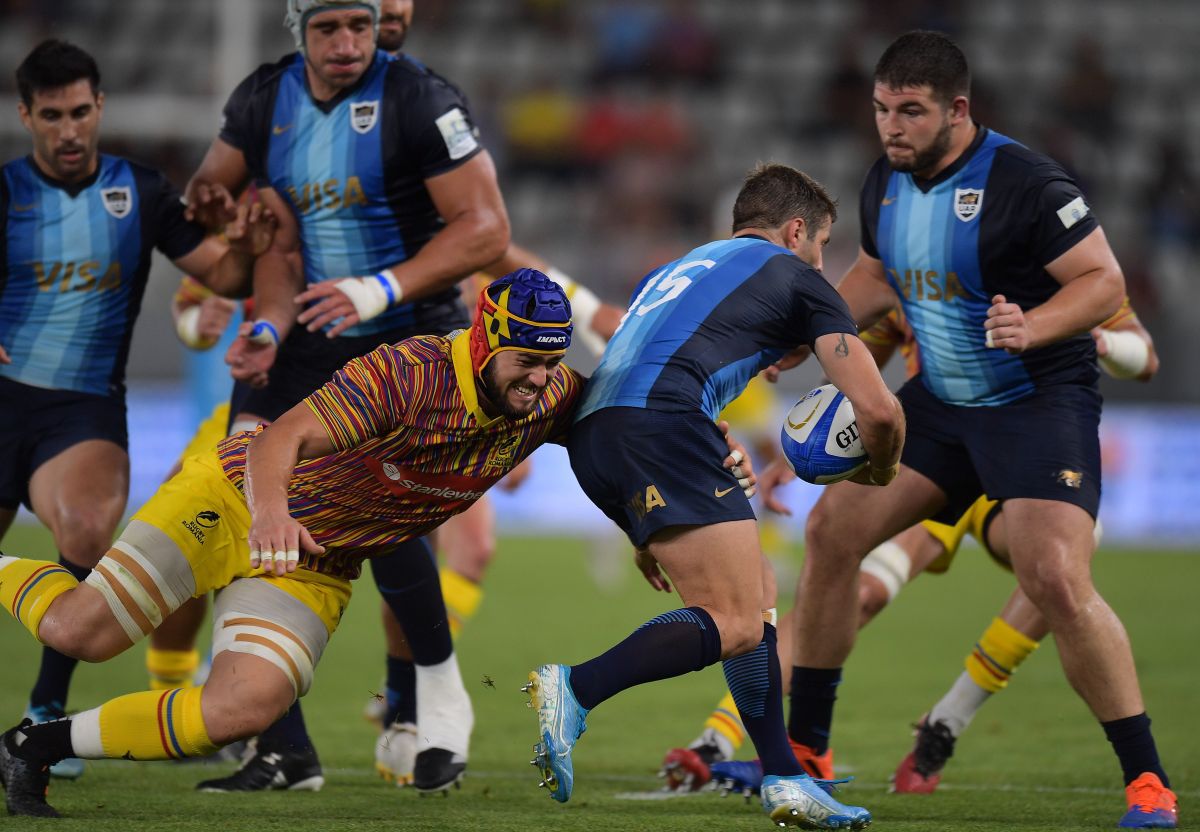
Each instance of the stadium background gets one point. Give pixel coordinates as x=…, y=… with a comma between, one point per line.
x=621, y=129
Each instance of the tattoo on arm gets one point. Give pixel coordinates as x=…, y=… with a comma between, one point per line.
x=842, y=349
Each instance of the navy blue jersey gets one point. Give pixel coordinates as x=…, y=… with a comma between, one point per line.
x=73, y=267
x=701, y=327
x=353, y=168
x=987, y=225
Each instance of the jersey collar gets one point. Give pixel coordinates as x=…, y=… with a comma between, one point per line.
x=72, y=189
x=329, y=106
x=464, y=374
x=927, y=185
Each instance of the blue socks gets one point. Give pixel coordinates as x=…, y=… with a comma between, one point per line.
x=757, y=686
x=814, y=691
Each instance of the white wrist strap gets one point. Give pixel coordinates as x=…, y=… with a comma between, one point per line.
x=187, y=327
x=1128, y=354
x=584, y=306
x=372, y=295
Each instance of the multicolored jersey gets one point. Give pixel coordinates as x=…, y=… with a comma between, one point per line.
x=73, y=266
x=987, y=225
x=701, y=327
x=414, y=448
x=353, y=168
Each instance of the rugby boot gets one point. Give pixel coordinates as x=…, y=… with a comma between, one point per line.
x=561, y=722
x=688, y=769
x=265, y=770
x=742, y=777
x=801, y=801
x=437, y=769
x=921, y=771
x=25, y=783
x=72, y=767
x=816, y=766
x=396, y=753
x=1151, y=805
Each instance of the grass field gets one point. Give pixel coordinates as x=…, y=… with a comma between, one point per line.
x=1034, y=758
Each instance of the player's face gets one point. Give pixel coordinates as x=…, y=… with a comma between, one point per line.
x=514, y=381
x=339, y=46
x=394, y=23
x=811, y=250
x=913, y=126
x=65, y=125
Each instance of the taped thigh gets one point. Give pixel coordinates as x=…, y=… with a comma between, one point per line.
x=144, y=577
x=252, y=616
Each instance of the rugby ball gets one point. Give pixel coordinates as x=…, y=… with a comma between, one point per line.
x=820, y=437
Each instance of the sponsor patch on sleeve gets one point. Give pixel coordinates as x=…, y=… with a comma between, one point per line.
x=1073, y=212
x=457, y=133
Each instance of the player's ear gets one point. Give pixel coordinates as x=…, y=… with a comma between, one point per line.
x=960, y=109
x=25, y=115
x=99, y=103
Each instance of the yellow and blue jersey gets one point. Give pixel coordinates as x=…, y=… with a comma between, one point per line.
x=73, y=266
x=702, y=326
x=353, y=168
x=989, y=224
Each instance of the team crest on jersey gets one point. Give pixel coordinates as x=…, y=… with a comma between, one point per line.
x=117, y=201
x=504, y=452
x=967, y=202
x=363, y=115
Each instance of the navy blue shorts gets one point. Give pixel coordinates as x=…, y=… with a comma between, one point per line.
x=649, y=470
x=1046, y=447
x=37, y=424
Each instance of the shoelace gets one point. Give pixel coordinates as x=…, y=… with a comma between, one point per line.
x=1147, y=798
x=831, y=786
x=935, y=745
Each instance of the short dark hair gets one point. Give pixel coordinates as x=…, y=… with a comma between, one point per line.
x=53, y=64
x=923, y=58
x=773, y=194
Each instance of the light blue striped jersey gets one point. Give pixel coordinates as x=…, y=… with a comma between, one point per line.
x=987, y=225
x=75, y=260
x=353, y=168
x=699, y=328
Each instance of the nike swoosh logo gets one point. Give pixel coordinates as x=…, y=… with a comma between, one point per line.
x=805, y=420
x=21, y=208
x=719, y=493
x=279, y=131
x=888, y=200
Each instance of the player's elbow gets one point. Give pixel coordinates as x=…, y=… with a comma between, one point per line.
x=490, y=234
x=883, y=413
x=1109, y=292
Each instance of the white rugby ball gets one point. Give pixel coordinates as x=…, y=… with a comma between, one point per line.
x=820, y=437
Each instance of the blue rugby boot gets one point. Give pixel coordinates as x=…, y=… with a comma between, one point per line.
x=561, y=721
x=72, y=767
x=743, y=777
x=801, y=801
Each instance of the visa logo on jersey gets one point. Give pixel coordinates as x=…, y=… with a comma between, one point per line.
x=331, y=195
x=88, y=276
x=919, y=284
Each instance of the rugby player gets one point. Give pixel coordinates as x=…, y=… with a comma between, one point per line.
x=75, y=251
x=1002, y=271
x=282, y=518
x=696, y=332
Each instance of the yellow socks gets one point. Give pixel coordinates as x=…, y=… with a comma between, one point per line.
x=997, y=654
x=462, y=596
x=726, y=721
x=151, y=725
x=27, y=587
x=171, y=668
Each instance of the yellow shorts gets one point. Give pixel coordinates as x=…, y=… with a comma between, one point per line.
x=210, y=432
x=971, y=522
x=190, y=538
x=753, y=412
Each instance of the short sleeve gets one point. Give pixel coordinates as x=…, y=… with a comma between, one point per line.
x=572, y=389
x=173, y=234
x=1061, y=215
x=364, y=399
x=819, y=309
x=438, y=131
x=245, y=119
x=873, y=191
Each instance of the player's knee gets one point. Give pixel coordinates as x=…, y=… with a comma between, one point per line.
x=472, y=557
x=1061, y=593
x=238, y=712
x=82, y=630
x=740, y=634
x=873, y=596
x=83, y=534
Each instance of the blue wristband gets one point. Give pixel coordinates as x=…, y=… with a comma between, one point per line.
x=264, y=326
x=387, y=287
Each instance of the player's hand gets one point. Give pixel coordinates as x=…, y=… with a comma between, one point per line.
x=252, y=229
x=276, y=540
x=352, y=299
x=871, y=475
x=515, y=478
x=250, y=358
x=776, y=475
x=215, y=314
x=792, y=359
x=650, y=569
x=4, y=359
x=209, y=204
x=1100, y=341
x=1007, y=328
x=738, y=462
